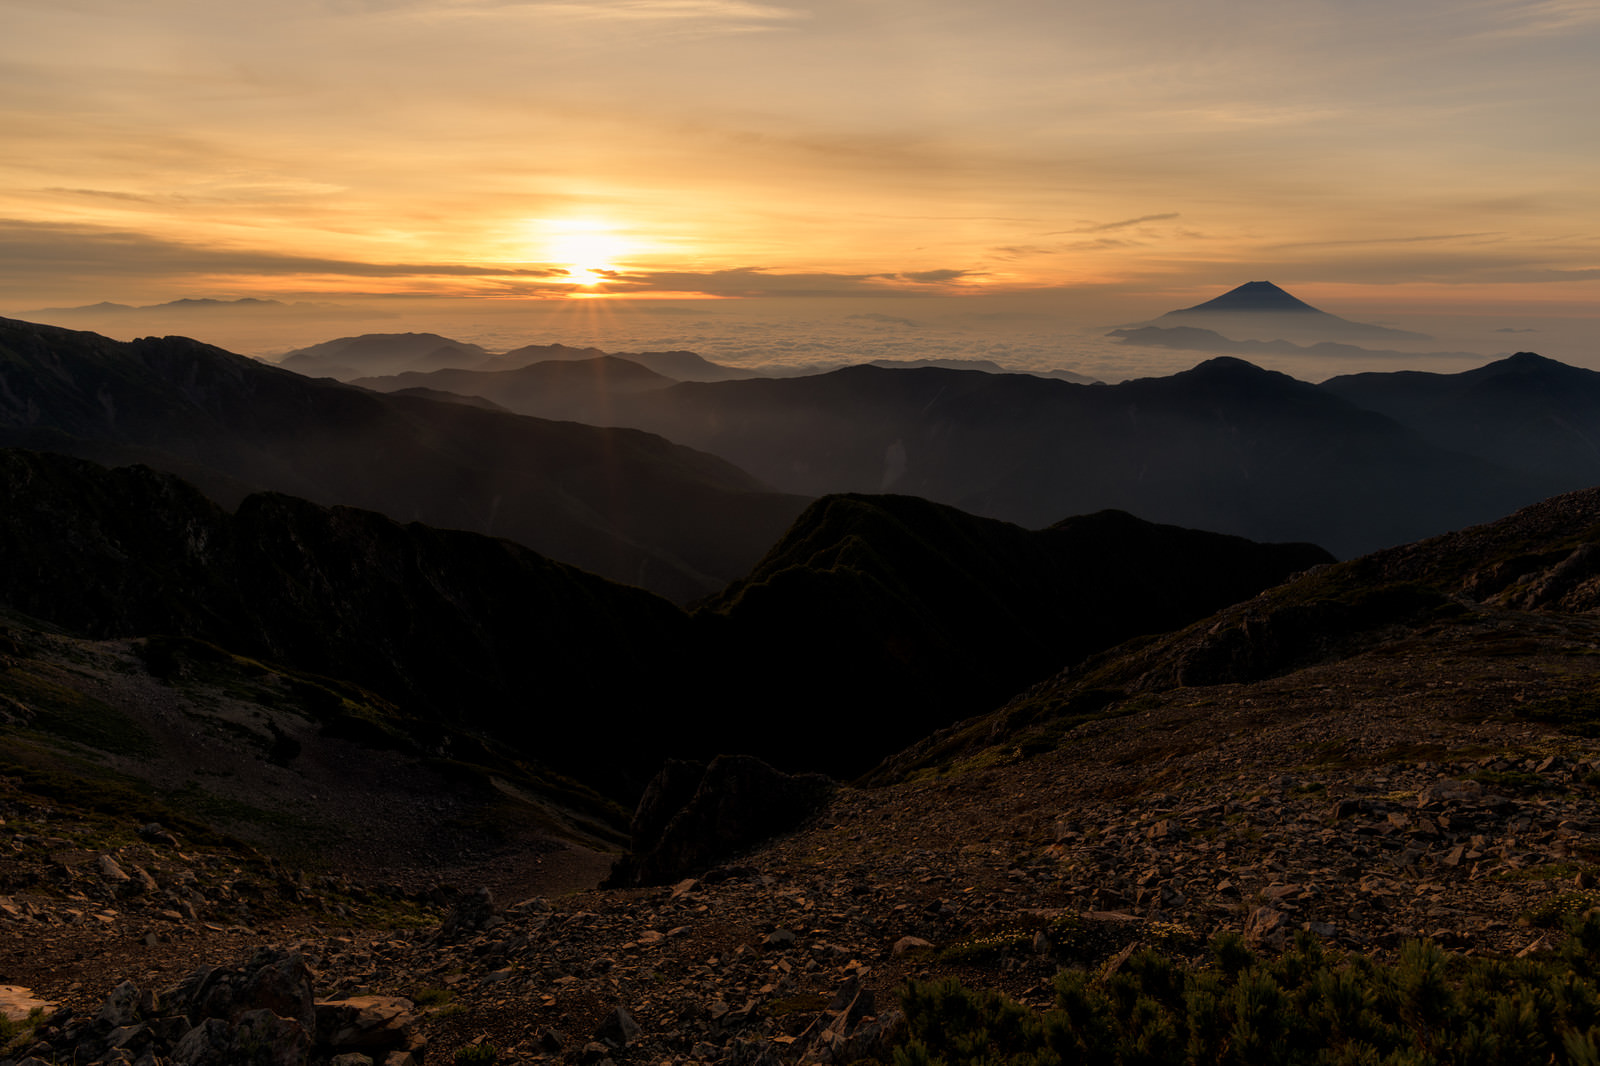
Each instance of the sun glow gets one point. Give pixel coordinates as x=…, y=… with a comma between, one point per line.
x=587, y=249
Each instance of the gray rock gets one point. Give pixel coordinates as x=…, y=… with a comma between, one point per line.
x=121, y=1007
x=617, y=1029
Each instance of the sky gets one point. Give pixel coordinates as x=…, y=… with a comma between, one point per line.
x=1099, y=161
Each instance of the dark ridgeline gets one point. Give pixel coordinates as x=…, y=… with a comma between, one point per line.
x=874, y=621
x=1226, y=446
x=874, y=604
x=380, y=357
x=621, y=503
x=871, y=621
x=1495, y=590
x=1525, y=412
x=380, y=353
x=578, y=390
x=461, y=630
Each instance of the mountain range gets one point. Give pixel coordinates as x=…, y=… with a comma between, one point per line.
x=621, y=503
x=471, y=635
x=1109, y=763
x=1350, y=464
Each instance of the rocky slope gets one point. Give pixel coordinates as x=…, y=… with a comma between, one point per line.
x=866, y=600
x=1396, y=747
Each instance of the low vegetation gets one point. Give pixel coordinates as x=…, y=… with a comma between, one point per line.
x=1309, y=1006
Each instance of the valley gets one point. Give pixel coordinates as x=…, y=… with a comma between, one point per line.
x=405, y=756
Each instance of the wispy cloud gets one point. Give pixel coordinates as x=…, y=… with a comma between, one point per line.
x=1426, y=238
x=755, y=282
x=1106, y=227
x=655, y=11
x=1541, y=17
x=31, y=248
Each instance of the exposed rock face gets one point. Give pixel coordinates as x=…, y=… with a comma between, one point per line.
x=736, y=801
x=260, y=1014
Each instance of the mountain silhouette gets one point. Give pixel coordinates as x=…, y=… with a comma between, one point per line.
x=677, y=365
x=1495, y=590
x=1226, y=446
x=1524, y=411
x=1260, y=310
x=1195, y=339
x=468, y=631
x=381, y=353
x=871, y=622
x=620, y=503
x=1252, y=296
x=871, y=605
x=578, y=390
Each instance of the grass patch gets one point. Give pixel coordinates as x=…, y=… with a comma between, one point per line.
x=16, y=1034
x=63, y=713
x=1561, y=909
x=432, y=997
x=1308, y=1007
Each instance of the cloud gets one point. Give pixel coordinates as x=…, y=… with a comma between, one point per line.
x=730, y=13
x=1541, y=17
x=1103, y=227
x=885, y=320
x=29, y=249
x=1419, y=239
x=757, y=282
x=928, y=277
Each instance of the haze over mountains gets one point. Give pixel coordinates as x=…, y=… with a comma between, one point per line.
x=619, y=503
x=1074, y=717
x=1225, y=446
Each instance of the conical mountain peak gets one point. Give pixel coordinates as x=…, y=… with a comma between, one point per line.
x=1255, y=296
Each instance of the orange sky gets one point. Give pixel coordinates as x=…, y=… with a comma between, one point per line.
x=1413, y=157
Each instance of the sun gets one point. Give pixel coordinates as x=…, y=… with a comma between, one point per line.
x=585, y=248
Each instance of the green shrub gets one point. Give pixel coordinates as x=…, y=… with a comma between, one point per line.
x=1424, y=1007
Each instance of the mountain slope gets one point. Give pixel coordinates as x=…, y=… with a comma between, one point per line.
x=579, y=390
x=381, y=353
x=1432, y=609
x=620, y=503
x=878, y=618
x=1524, y=411
x=1226, y=447
x=460, y=630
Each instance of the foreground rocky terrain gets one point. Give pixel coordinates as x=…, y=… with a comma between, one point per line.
x=1394, y=794
x=1402, y=746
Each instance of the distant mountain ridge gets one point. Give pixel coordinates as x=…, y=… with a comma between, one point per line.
x=1525, y=411
x=1195, y=339
x=378, y=358
x=624, y=504
x=1226, y=446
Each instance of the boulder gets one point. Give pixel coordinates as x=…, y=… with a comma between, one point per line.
x=368, y=1025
